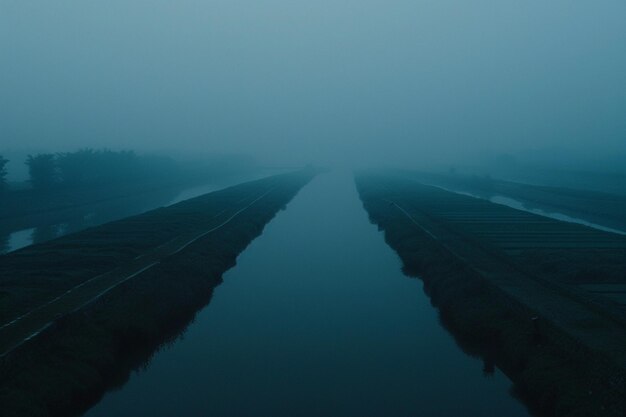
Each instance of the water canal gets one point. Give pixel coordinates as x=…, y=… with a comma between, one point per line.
x=316, y=319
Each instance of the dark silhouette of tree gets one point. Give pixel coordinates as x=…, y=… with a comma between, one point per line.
x=3, y=172
x=74, y=167
x=88, y=167
x=43, y=171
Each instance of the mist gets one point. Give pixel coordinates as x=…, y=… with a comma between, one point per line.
x=411, y=83
x=322, y=208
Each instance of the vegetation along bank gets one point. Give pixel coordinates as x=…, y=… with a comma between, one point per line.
x=532, y=295
x=109, y=296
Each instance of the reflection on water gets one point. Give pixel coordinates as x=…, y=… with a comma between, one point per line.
x=53, y=225
x=316, y=319
x=516, y=204
x=20, y=239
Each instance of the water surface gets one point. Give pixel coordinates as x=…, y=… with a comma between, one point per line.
x=316, y=319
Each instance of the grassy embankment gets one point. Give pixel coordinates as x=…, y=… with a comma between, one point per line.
x=68, y=366
x=488, y=298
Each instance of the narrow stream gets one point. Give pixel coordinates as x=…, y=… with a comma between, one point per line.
x=316, y=319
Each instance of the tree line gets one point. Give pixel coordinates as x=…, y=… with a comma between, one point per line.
x=90, y=167
x=3, y=172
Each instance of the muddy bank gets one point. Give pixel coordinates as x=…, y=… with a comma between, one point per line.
x=66, y=368
x=557, y=374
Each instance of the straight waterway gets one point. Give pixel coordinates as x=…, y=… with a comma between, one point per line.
x=316, y=319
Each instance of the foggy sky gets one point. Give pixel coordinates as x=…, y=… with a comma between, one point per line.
x=326, y=80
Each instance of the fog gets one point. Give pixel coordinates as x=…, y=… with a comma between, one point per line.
x=332, y=207
x=412, y=83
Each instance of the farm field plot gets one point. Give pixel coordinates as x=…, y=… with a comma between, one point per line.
x=40, y=272
x=547, y=295
x=597, y=207
x=566, y=253
x=43, y=281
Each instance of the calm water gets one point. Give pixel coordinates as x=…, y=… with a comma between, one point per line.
x=316, y=319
